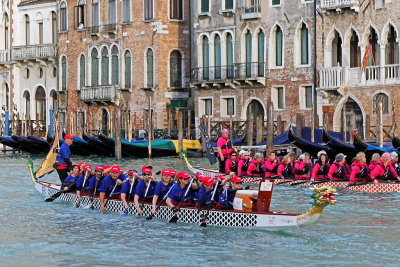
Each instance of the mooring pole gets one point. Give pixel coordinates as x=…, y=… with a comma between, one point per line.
x=117, y=132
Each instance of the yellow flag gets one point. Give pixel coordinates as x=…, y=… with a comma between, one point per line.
x=47, y=165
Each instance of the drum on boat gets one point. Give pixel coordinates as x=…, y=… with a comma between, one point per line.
x=245, y=200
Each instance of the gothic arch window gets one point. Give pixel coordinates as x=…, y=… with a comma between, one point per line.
x=95, y=67
x=261, y=53
x=63, y=17
x=206, y=59
x=229, y=55
x=377, y=100
x=392, y=47
x=53, y=18
x=355, y=54
x=40, y=98
x=64, y=73
x=248, y=45
x=149, y=68
x=115, y=65
x=104, y=66
x=6, y=32
x=27, y=100
x=27, y=30
x=82, y=71
x=217, y=56
x=128, y=69
x=54, y=100
x=304, y=44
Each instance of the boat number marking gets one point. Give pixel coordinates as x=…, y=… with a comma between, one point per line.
x=266, y=186
x=237, y=203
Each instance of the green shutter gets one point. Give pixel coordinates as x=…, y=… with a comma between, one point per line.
x=95, y=71
x=229, y=55
x=128, y=71
x=64, y=74
x=280, y=98
x=278, y=47
x=217, y=56
x=304, y=45
x=276, y=2
x=248, y=54
x=150, y=68
x=228, y=4
x=205, y=6
x=104, y=70
x=206, y=60
x=82, y=72
x=230, y=106
x=261, y=49
x=308, y=92
x=115, y=69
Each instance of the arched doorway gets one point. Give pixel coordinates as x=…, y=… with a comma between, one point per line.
x=354, y=118
x=104, y=121
x=256, y=109
x=40, y=98
x=54, y=100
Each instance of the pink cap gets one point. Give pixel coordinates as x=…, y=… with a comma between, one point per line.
x=225, y=130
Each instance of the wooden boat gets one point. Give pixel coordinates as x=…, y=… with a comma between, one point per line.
x=8, y=141
x=97, y=147
x=308, y=146
x=339, y=146
x=396, y=141
x=369, y=149
x=251, y=207
x=40, y=142
x=26, y=145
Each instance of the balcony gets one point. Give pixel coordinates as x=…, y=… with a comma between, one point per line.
x=4, y=57
x=100, y=93
x=40, y=52
x=110, y=28
x=251, y=9
x=337, y=5
x=93, y=31
x=229, y=75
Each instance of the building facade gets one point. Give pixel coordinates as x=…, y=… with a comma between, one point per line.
x=249, y=52
x=351, y=95
x=122, y=53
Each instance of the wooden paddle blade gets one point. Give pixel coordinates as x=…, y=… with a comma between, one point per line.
x=174, y=219
x=149, y=217
x=53, y=197
x=203, y=224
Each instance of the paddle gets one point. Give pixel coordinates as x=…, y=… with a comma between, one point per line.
x=300, y=182
x=59, y=193
x=91, y=198
x=129, y=197
x=144, y=198
x=159, y=205
x=175, y=218
x=108, y=198
x=287, y=180
x=204, y=222
x=78, y=203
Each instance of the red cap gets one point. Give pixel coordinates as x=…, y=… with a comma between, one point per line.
x=80, y=164
x=236, y=179
x=166, y=172
x=146, y=170
x=146, y=167
x=172, y=172
x=121, y=171
x=220, y=176
x=201, y=178
x=183, y=175
x=75, y=164
x=68, y=136
x=208, y=181
x=98, y=168
x=132, y=171
x=115, y=169
x=106, y=167
x=198, y=175
x=87, y=167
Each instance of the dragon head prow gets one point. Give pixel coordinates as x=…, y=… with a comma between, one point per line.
x=323, y=196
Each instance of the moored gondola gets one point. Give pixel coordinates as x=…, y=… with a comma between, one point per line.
x=395, y=141
x=369, y=149
x=338, y=146
x=8, y=141
x=97, y=147
x=26, y=145
x=39, y=142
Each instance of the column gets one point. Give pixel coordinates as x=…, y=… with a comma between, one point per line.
x=382, y=75
x=362, y=48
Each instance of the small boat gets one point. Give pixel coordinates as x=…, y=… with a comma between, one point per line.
x=39, y=142
x=8, y=141
x=339, y=146
x=396, y=141
x=251, y=207
x=308, y=146
x=26, y=145
x=97, y=147
x=369, y=149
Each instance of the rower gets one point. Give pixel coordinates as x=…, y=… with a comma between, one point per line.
x=301, y=169
x=285, y=167
x=162, y=189
x=69, y=183
x=63, y=163
x=106, y=169
x=256, y=167
x=95, y=182
x=172, y=173
x=271, y=165
x=337, y=171
x=244, y=162
x=321, y=167
x=224, y=147
x=231, y=163
x=127, y=188
x=375, y=160
x=395, y=158
x=81, y=167
x=177, y=193
x=205, y=197
x=141, y=192
x=225, y=201
x=384, y=171
x=108, y=184
x=80, y=187
x=359, y=169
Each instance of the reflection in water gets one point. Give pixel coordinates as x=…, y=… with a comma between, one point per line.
x=47, y=234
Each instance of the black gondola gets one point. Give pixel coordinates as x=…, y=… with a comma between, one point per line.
x=8, y=141
x=308, y=146
x=39, y=142
x=338, y=146
x=78, y=147
x=26, y=145
x=96, y=146
x=395, y=141
x=369, y=149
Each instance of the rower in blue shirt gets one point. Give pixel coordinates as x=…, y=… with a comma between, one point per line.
x=110, y=184
x=207, y=196
x=128, y=189
x=228, y=194
x=69, y=183
x=145, y=188
x=80, y=187
x=162, y=188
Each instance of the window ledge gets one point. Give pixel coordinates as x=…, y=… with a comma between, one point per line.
x=276, y=5
x=203, y=15
x=303, y=66
x=81, y=29
x=126, y=23
x=305, y=109
x=176, y=20
x=227, y=12
x=176, y=88
x=227, y=116
x=148, y=20
x=276, y=67
x=63, y=31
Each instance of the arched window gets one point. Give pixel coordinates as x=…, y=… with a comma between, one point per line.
x=115, y=65
x=6, y=30
x=126, y=11
x=392, y=47
x=206, y=60
x=40, y=31
x=53, y=27
x=27, y=98
x=373, y=40
x=82, y=71
x=248, y=53
x=64, y=73
x=128, y=69
x=217, y=57
x=175, y=69
x=95, y=67
x=377, y=100
x=104, y=67
x=261, y=53
x=278, y=47
x=229, y=55
x=149, y=68
x=336, y=50
x=304, y=44
x=355, y=54
x=95, y=13
x=40, y=98
x=54, y=100
x=63, y=17
x=27, y=30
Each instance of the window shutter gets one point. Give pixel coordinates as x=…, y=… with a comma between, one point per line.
x=278, y=44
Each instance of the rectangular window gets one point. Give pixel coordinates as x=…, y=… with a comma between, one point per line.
x=230, y=108
x=81, y=120
x=63, y=16
x=308, y=96
x=276, y=2
x=208, y=106
x=148, y=9
x=205, y=6
x=281, y=102
x=126, y=16
x=40, y=24
x=278, y=97
x=112, y=19
x=228, y=4
x=176, y=9
x=79, y=14
x=95, y=14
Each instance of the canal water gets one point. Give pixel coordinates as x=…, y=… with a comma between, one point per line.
x=362, y=229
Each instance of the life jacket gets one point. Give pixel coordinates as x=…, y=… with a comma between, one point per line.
x=245, y=165
x=228, y=144
x=275, y=169
x=387, y=175
x=287, y=172
x=363, y=172
x=234, y=165
x=324, y=170
x=303, y=171
x=396, y=168
x=258, y=169
x=340, y=173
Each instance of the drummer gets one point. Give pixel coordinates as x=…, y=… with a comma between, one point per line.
x=359, y=169
x=384, y=171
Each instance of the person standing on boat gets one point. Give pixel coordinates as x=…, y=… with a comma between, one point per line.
x=394, y=161
x=244, y=162
x=321, y=168
x=271, y=166
x=375, y=160
x=337, y=171
x=110, y=184
x=256, y=166
x=359, y=169
x=225, y=201
x=129, y=187
x=63, y=163
x=384, y=171
x=285, y=167
x=145, y=188
x=224, y=147
x=162, y=189
x=231, y=164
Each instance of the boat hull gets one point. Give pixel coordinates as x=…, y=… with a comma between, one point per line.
x=188, y=215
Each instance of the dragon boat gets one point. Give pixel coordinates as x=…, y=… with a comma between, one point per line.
x=251, y=207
